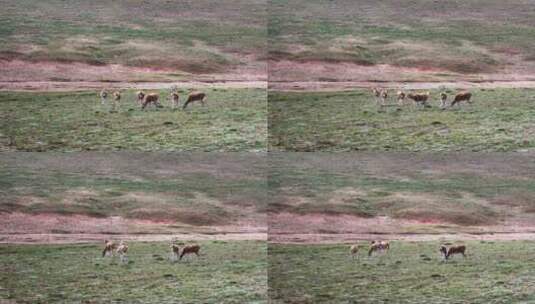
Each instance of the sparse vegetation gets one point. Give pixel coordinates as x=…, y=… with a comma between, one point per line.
x=226, y=272
x=184, y=37
x=450, y=189
x=470, y=37
x=498, y=120
x=232, y=120
x=493, y=272
x=182, y=189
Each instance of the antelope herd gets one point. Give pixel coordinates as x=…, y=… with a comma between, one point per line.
x=420, y=99
x=147, y=99
x=384, y=247
x=121, y=249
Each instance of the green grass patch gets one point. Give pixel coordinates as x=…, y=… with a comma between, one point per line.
x=136, y=189
x=233, y=120
x=226, y=272
x=498, y=120
x=410, y=273
x=465, y=38
x=428, y=187
x=198, y=37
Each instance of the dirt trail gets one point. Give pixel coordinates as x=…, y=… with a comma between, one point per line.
x=354, y=237
x=276, y=86
x=24, y=228
x=351, y=85
x=50, y=238
x=96, y=85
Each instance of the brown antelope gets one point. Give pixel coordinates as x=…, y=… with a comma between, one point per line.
x=461, y=96
x=103, y=96
x=401, y=97
x=376, y=94
x=151, y=98
x=121, y=251
x=174, y=100
x=378, y=246
x=443, y=98
x=194, y=96
x=116, y=96
x=419, y=98
x=189, y=249
x=175, y=250
x=109, y=247
x=116, y=99
x=384, y=96
x=354, y=250
x=140, y=96
x=447, y=252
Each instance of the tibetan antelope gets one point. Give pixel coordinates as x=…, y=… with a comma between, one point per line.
x=174, y=100
x=189, y=249
x=354, y=250
x=121, y=251
x=175, y=251
x=109, y=247
x=151, y=98
x=194, y=96
x=401, y=97
x=379, y=246
x=447, y=252
x=116, y=96
x=419, y=98
x=116, y=99
x=376, y=95
x=103, y=96
x=384, y=96
x=461, y=96
x=443, y=99
x=140, y=96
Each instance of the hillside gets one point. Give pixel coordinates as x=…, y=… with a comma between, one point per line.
x=131, y=193
x=417, y=40
x=132, y=40
x=400, y=193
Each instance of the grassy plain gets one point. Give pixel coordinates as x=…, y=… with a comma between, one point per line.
x=232, y=120
x=226, y=272
x=446, y=37
x=180, y=36
x=412, y=272
x=498, y=120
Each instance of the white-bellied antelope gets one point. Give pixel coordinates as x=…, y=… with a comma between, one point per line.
x=109, y=247
x=461, y=96
x=194, y=96
x=401, y=97
x=140, y=96
x=443, y=100
x=377, y=246
x=376, y=95
x=121, y=251
x=103, y=96
x=384, y=96
x=117, y=96
x=175, y=251
x=354, y=250
x=116, y=99
x=189, y=249
x=174, y=100
x=419, y=98
x=447, y=252
x=151, y=98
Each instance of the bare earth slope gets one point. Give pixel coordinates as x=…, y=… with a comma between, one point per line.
x=96, y=194
x=401, y=41
x=132, y=40
x=347, y=196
